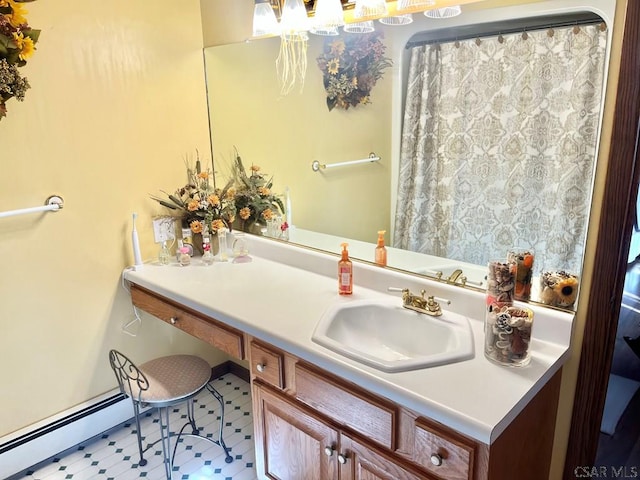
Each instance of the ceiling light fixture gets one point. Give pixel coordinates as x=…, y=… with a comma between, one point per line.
x=328, y=17
x=370, y=8
x=407, y=4
x=446, y=12
x=359, y=27
x=401, y=19
x=291, y=63
x=264, y=19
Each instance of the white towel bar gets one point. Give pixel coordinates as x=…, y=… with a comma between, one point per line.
x=52, y=204
x=316, y=165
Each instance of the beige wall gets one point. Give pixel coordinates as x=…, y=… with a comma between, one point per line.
x=117, y=101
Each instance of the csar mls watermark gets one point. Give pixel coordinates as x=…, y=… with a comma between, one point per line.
x=604, y=471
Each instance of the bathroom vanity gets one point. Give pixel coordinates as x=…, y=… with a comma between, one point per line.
x=322, y=415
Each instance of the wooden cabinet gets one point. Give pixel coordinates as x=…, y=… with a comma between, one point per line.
x=294, y=443
x=205, y=328
x=291, y=442
x=323, y=427
x=362, y=462
x=313, y=425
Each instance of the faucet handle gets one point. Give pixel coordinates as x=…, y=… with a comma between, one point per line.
x=396, y=289
x=442, y=300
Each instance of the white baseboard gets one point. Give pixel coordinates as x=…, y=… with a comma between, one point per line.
x=31, y=445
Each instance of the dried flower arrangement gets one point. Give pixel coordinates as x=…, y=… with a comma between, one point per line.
x=244, y=201
x=17, y=44
x=351, y=65
x=199, y=204
x=254, y=199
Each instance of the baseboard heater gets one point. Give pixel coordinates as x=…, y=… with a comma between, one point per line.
x=34, y=444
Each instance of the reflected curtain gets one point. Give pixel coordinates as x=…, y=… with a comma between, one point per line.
x=498, y=146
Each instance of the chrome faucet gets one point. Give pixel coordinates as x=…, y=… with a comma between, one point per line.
x=420, y=304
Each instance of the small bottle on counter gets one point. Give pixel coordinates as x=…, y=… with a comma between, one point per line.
x=222, y=245
x=207, y=255
x=183, y=256
x=381, y=250
x=187, y=241
x=164, y=256
x=345, y=272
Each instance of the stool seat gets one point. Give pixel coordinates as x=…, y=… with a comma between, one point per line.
x=173, y=378
x=163, y=383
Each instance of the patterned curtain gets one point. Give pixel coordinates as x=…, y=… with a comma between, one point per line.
x=498, y=146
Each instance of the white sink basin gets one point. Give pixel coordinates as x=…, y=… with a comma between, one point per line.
x=384, y=335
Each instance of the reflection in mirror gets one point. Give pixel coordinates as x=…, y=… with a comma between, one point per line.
x=498, y=144
x=546, y=131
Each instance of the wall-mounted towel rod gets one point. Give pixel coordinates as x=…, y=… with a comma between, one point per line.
x=316, y=165
x=52, y=204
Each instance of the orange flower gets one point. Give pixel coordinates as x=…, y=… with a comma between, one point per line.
x=193, y=205
x=203, y=175
x=217, y=224
x=264, y=191
x=255, y=168
x=245, y=213
x=267, y=214
x=213, y=200
x=196, y=226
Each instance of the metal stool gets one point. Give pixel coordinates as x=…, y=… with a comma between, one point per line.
x=163, y=383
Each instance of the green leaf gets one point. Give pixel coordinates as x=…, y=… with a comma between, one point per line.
x=32, y=34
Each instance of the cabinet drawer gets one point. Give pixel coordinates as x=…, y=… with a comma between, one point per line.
x=193, y=323
x=446, y=454
x=266, y=364
x=372, y=417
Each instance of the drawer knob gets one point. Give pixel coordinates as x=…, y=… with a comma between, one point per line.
x=342, y=459
x=261, y=367
x=173, y=320
x=328, y=451
x=436, y=459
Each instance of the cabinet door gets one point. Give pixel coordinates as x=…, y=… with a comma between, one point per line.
x=291, y=443
x=359, y=462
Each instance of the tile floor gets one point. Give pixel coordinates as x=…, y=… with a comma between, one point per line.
x=114, y=455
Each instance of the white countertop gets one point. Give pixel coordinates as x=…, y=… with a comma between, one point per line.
x=280, y=296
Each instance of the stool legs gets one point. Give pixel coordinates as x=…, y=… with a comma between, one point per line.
x=165, y=431
x=136, y=412
x=165, y=438
x=217, y=396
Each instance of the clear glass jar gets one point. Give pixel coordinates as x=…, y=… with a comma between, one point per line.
x=240, y=248
x=507, y=335
x=183, y=256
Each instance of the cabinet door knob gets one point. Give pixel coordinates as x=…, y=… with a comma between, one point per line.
x=261, y=367
x=173, y=320
x=436, y=459
x=328, y=451
x=342, y=459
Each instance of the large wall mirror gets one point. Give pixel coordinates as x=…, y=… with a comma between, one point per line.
x=284, y=135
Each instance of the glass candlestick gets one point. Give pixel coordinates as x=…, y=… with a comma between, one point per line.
x=164, y=257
